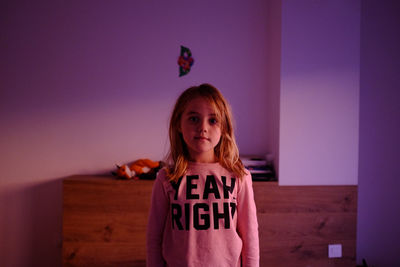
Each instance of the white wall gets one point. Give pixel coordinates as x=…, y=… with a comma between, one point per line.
x=319, y=107
x=86, y=84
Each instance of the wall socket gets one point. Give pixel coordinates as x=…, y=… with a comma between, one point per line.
x=335, y=251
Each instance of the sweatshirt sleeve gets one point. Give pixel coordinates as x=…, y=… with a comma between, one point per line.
x=247, y=223
x=155, y=227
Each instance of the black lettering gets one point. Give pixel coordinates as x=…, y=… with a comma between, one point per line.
x=190, y=186
x=176, y=215
x=224, y=215
x=176, y=187
x=233, y=209
x=211, y=187
x=204, y=216
x=228, y=189
x=187, y=215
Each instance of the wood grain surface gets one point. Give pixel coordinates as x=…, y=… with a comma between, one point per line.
x=104, y=222
x=297, y=223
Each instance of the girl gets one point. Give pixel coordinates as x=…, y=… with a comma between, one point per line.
x=202, y=209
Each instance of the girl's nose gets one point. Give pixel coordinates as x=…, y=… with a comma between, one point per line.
x=203, y=126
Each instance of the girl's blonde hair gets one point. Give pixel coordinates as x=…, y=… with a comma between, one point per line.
x=226, y=152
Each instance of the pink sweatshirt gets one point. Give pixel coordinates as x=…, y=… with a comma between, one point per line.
x=207, y=218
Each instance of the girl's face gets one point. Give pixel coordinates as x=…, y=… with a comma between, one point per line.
x=200, y=129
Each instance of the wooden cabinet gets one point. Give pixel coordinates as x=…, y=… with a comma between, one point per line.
x=297, y=223
x=104, y=222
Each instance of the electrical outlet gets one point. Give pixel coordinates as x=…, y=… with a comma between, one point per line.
x=335, y=251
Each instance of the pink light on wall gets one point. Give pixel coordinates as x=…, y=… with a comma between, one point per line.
x=91, y=83
x=319, y=109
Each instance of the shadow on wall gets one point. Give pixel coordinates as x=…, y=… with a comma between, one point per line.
x=31, y=221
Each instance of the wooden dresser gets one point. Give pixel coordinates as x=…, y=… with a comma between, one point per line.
x=104, y=222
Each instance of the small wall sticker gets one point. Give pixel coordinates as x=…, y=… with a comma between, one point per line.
x=185, y=61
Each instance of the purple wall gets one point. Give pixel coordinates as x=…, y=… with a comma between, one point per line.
x=319, y=97
x=87, y=84
x=378, y=231
x=273, y=73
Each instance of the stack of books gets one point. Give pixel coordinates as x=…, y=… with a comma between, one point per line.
x=259, y=167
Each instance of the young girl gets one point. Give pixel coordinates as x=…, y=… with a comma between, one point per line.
x=202, y=209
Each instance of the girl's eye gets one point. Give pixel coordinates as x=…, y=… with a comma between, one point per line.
x=193, y=119
x=213, y=121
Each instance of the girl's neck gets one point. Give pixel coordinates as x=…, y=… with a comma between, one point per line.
x=204, y=159
x=193, y=163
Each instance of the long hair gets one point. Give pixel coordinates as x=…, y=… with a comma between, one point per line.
x=226, y=152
